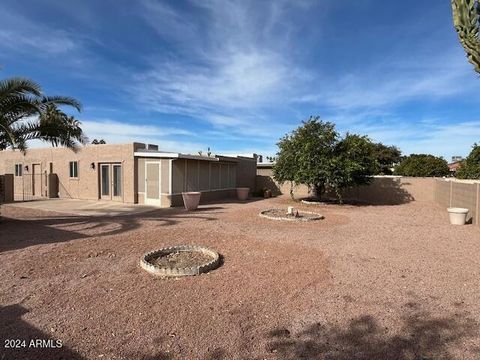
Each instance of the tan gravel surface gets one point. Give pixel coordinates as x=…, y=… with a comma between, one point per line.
x=367, y=282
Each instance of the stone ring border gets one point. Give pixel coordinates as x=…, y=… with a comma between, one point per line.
x=285, y=218
x=176, y=272
x=313, y=202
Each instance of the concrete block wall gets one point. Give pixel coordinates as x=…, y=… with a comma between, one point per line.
x=442, y=193
x=384, y=190
x=459, y=193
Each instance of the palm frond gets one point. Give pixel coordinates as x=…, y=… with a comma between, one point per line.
x=61, y=100
x=19, y=85
x=18, y=106
x=20, y=101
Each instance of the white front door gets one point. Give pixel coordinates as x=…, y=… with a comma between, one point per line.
x=152, y=184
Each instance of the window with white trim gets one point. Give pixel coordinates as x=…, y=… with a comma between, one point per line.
x=74, y=169
x=18, y=169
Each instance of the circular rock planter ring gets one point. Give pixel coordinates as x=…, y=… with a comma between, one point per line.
x=313, y=202
x=149, y=261
x=281, y=215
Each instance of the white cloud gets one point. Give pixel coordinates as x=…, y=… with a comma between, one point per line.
x=238, y=66
x=21, y=34
x=455, y=138
x=118, y=132
x=114, y=132
x=381, y=86
x=233, y=69
x=115, y=128
x=226, y=73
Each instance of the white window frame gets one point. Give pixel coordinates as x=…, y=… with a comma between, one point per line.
x=18, y=170
x=73, y=170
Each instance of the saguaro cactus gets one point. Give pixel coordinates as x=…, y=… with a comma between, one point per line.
x=466, y=21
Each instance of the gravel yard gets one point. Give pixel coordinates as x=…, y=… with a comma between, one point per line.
x=367, y=282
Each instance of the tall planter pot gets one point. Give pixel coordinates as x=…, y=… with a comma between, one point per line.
x=458, y=216
x=242, y=193
x=191, y=199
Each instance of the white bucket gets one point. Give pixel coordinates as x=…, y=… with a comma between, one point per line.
x=458, y=216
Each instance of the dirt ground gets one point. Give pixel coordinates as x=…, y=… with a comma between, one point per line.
x=367, y=282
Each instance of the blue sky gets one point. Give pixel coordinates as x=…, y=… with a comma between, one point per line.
x=237, y=75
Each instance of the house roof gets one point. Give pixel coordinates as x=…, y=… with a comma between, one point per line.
x=454, y=166
x=151, y=151
x=171, y=155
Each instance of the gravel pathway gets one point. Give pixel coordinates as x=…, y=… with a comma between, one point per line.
x=367, y=282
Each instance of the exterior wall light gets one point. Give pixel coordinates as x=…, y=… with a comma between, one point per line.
x=26, y=168
x=92, y=166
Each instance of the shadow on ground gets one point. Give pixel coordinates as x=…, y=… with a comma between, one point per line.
x=36, y=230
x=383, y=191
x=422, y=336
x=14, y=327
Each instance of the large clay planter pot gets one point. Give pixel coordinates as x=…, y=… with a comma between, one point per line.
x=242, y=193
x=191, y=199
x=458, y=216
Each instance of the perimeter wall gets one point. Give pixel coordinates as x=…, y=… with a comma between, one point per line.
x=459, y=193
x=394, y=190
x=384, y=190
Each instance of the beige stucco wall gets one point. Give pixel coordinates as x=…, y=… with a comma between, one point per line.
x=459, y=193
x=206, y=197
x=382, y=190
x=86, y=186
x=393, y=190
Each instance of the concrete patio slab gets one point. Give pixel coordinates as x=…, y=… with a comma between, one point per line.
x=84, y=207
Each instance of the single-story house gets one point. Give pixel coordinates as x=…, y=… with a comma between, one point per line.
x=129, y=173
x=454, y=166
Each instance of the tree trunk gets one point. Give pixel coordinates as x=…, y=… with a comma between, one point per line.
x=317, y=191
x=291, y=190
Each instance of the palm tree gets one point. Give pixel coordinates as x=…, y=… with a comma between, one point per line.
x=58, y=128
x=27, y=114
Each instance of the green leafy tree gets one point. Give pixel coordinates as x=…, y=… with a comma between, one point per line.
x=466, y=23
x=422, y=165
x=470, y=168
x=353, y=163
x=316, y=156
x=305, y=156
x=26, y=114
x=387, y=157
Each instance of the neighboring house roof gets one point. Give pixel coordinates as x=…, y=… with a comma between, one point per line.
x=454, y=166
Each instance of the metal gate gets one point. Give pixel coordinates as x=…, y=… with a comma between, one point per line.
x=30, y=186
